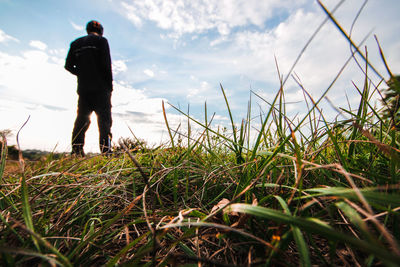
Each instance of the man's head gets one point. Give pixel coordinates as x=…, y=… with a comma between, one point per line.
x=94, y=26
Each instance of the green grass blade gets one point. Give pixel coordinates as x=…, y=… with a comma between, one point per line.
x=31, y=253
x=9, y=227
x=125, y=249
x=302, y=246
x=39, y=239
x=166, y=123
x=83, y=243
x=374, y=198
x=187, y=250
x=298, y=237
x=318, y=227
x=356, y=219
x=230, y=117
x=263, y=125
x=26, y=210
x=3, y=157
x=361, y=113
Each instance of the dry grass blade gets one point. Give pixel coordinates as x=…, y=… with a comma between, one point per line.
x=137, y=164
x=389, y=238
x=217, y=226
x=386, y=149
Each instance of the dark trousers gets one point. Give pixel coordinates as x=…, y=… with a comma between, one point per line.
x=101, y=105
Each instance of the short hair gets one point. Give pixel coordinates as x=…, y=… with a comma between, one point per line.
x=94, y=26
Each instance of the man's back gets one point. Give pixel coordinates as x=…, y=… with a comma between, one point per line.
x=89, y=59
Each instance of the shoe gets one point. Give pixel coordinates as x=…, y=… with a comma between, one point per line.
x=77, y=151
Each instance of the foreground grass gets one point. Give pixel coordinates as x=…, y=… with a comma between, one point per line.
x=331, y=198
x=310, y=204
x=327, y=195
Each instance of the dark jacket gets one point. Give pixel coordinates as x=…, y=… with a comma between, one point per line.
x=89, y=59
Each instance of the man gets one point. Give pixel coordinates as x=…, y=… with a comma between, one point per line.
x=89, y=59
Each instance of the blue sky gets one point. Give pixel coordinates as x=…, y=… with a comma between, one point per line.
x=179, y=51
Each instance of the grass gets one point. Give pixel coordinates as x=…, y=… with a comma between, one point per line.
x=326, y=194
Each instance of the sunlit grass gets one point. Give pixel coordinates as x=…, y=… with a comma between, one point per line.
x=328, y=195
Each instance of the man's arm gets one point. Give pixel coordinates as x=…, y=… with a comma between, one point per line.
x=106, y=57
x=70, y=62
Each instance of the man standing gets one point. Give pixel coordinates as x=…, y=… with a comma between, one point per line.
x=89, y=59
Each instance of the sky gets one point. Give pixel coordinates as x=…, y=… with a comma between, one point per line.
x=181, y=52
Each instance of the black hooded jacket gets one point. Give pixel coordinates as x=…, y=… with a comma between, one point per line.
x=89, y=59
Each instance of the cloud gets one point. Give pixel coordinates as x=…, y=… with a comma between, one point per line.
x=33, y=77
x=76, y=26
x=149, y=73
x=133, y=109
x=199, y=93
x=118, y=66
x=187, y=16
x=55, y=108
x=245, y=59
x=256, y=51
x=33, y=85
x=38, y=44
x=6, y=38
x=236, y=43
x=130, y=13
x=220, y=118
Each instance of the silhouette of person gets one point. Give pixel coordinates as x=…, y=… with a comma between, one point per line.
x=89, y=59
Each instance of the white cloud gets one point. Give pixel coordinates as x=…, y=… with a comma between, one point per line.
x=199, y=16
x=33, y=78
x=76, y=26
x=250, y=52
x=254, y=52
x=220, y=118
x=119, y=66
x=144, y=115
x=218, y=41
x=130, y=13
x=283, y=42
x=149, y=73
x=32, y=84
x=5, y=37
x=199, y=93
x=38, y=44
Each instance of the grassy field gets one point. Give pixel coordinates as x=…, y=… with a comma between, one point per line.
x=325, y=196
